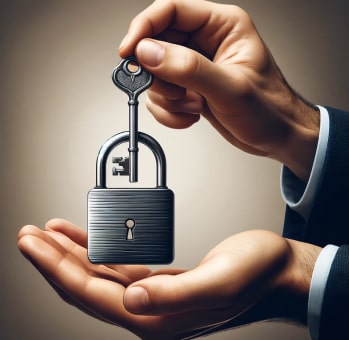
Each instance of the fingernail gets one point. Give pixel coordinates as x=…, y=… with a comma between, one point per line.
x=123, y=42
x=150, y=53
x=136, y=300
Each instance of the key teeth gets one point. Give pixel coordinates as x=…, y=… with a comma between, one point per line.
x=122, y=168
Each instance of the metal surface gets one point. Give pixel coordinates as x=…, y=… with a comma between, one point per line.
x=131, y=78
x=152, y=211
x=123, y=137
x=130, y=225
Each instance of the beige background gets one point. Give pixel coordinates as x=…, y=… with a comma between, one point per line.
x=58, y=105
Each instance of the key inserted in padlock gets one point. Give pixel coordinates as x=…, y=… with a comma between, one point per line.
x=132, y=78
x=131, y=225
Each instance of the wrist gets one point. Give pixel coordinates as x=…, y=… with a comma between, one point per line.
x=299, y=148
x=291, y=291
x=287, y=296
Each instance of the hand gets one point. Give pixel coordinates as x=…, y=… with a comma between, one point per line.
x=256, y=273
x=209, y=59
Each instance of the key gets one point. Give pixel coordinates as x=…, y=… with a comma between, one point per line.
x=133, y=79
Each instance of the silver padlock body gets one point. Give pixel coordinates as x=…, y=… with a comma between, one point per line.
x=152, y=237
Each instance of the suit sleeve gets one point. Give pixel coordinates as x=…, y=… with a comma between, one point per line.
x=334, y=321
x=328, y=223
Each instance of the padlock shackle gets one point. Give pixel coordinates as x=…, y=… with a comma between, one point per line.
x=122, y=137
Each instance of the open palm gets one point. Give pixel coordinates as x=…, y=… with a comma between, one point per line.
x=231, y=279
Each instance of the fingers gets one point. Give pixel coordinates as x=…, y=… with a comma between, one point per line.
x=68, y=272
x=208, y=49
x=233, y=276
x=132, y=272
x=182, y=68
x=213, y=51
x=167, y=90
x=64, y=248
x=200, y=25
x=178, y=114
x=67, y=228
x=199, y=289
x=45, y=252
x=160, y=16
x=173, y=105
x=79, y=236
x=180, y=65
x=221, y=84
x=207, y=26
x=99, y=297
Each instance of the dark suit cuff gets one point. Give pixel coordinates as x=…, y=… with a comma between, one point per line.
x=334, y=319
x=317, y=288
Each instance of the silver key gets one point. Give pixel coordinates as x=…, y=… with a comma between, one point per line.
x=133, y=79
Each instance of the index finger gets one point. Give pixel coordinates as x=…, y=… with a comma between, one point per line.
x=176, y=15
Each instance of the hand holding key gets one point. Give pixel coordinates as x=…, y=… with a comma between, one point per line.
x=208, y=59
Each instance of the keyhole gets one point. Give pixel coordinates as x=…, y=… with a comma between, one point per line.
x=130, y=224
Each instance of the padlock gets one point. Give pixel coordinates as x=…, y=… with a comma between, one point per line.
x=130, y=225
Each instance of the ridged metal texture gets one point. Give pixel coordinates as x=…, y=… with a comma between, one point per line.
x=153, y=235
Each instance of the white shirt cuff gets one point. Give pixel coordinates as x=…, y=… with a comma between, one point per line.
x=295, y=193
x=317, y=288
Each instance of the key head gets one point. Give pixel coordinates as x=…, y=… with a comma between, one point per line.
x=131, y=77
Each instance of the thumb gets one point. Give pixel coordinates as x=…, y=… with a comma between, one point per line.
x=197, y=289
x=182, y=66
